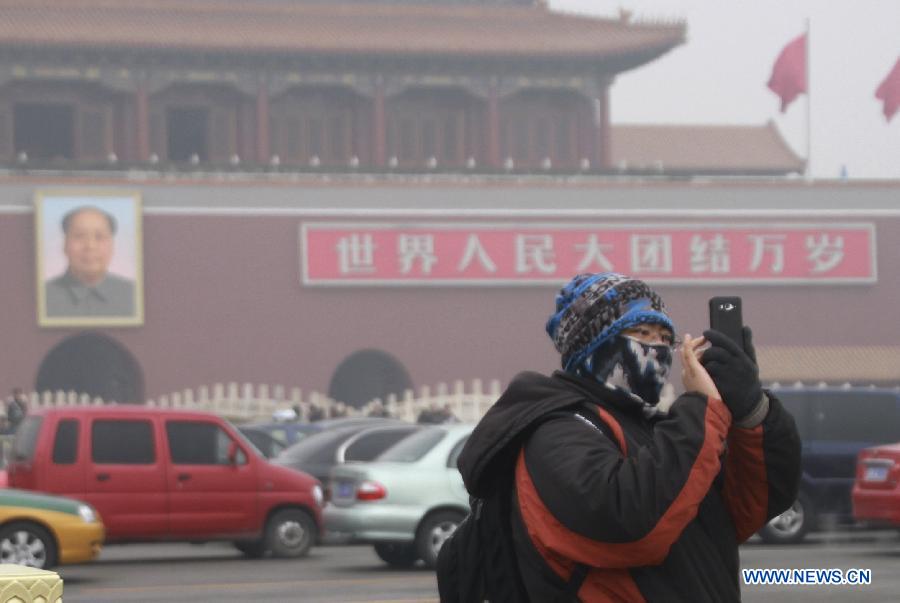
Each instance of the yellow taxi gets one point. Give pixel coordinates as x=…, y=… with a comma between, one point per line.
x=41, y=530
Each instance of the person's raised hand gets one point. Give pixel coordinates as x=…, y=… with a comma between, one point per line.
x=733, y=369
x=693, y=375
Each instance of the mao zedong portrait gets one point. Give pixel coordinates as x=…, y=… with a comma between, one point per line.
x=87, y=288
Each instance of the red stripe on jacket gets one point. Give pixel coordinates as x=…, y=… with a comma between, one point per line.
x=746, y=490
x=601, y=585
x=561, y=547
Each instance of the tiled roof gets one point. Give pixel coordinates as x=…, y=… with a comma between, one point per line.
x=832, y=364
x=279, y=26
x=702, y=149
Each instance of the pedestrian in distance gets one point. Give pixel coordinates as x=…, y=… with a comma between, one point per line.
x=429, y=415
x=378, y=410
x=436, y=414
x=316, y=413
x=16, y=409
x=609, y=496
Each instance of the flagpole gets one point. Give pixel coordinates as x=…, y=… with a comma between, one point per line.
x=808, y=107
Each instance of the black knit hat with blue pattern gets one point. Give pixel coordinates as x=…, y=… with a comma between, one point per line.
x=591, y=309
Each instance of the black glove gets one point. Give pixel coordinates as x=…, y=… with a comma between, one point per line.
x=734, y=372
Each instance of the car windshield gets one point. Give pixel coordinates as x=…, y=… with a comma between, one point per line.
x=318, y=446
x=246, y=440
x=414, y=447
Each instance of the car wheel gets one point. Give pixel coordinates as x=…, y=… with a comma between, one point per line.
x=254, y=549
x=792, y=525
x=28, y=544
x=397, y=554
x=290, y=533
x=433, y=532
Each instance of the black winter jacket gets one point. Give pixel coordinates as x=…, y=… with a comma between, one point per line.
x=654, y=509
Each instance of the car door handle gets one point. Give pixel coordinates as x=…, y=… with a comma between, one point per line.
x=183, y=477
x=102, y=477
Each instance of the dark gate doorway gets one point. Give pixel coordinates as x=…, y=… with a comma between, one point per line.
x=44, y=130
x=92, y=364
x=188, y=129
x=366, y=375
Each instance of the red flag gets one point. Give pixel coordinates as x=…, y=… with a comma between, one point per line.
x=789, y=72
x=889, y=92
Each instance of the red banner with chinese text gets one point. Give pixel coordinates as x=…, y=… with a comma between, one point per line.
x=474, y=253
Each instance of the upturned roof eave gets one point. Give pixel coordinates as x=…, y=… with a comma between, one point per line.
x=628, y=58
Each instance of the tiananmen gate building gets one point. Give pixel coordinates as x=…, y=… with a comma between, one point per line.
x=362, y=197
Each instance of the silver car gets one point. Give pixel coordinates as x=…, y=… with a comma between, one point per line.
x=406, y=502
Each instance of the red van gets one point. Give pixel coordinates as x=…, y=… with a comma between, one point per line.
x=158, y=474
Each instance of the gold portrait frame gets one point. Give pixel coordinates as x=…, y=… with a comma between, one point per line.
x=126, y=207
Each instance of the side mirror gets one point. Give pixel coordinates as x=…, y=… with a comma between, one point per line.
x=233, y=453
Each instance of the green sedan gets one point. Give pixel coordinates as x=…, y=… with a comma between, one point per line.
x=41, y=530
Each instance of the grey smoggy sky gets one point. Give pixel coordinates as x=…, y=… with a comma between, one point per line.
x=719, y=76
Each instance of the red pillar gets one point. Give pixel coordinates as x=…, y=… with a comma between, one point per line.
x=262, y=124
x=142, y=125
x=379, y=127
x=603, y=157
x=493, y=127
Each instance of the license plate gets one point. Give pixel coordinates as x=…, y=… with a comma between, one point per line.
x=344, y=490
x=876, y=474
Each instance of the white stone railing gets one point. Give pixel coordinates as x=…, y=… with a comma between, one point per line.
x=466, y=405
x=245, y=402
x=235, y=402
x=249, y=402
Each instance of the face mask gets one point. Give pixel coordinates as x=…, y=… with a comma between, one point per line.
x=641, y=369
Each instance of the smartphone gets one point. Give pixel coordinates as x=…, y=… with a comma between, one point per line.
x=726, y=317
